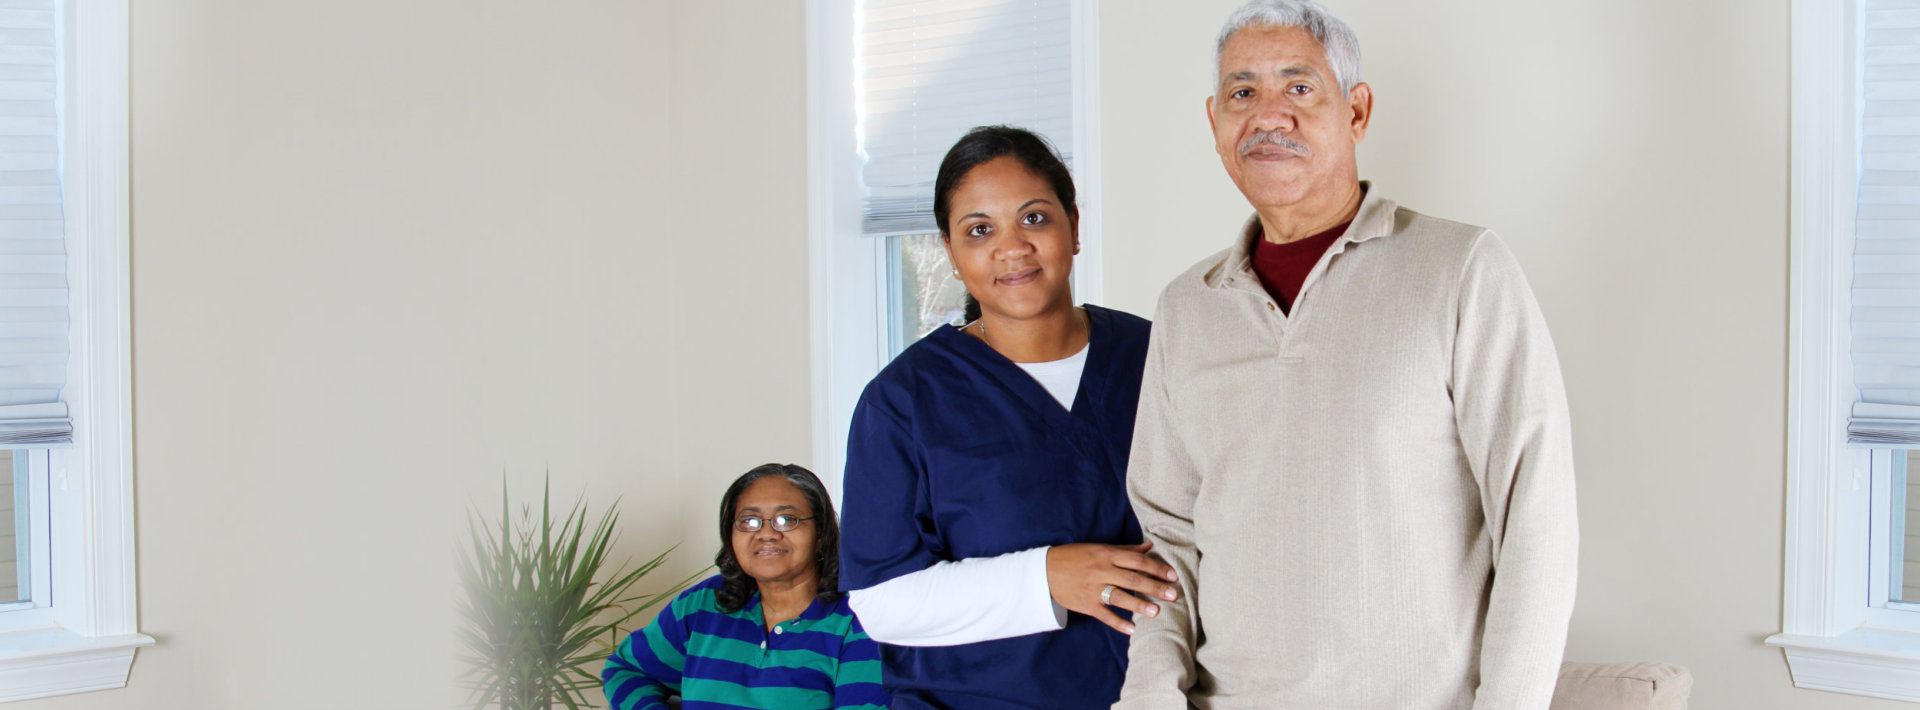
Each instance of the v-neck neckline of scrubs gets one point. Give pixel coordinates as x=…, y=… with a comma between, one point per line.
x=1031, y=392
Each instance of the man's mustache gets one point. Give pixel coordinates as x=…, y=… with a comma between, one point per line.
x=1274, y=137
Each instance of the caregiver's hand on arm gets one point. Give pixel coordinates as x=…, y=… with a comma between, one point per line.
x=1077, y=573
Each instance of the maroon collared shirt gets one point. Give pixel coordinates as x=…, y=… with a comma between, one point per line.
x=1283, y=268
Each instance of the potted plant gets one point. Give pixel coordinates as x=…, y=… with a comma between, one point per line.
x=538, y=616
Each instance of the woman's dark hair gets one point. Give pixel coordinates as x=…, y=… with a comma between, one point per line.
x=736, y=588
x=983, y=144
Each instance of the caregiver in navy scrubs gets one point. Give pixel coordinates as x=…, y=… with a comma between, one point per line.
x=987, y=539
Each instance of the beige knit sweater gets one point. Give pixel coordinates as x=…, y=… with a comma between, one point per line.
x=1369, y=501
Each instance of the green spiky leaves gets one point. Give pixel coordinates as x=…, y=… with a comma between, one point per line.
x=537, y=626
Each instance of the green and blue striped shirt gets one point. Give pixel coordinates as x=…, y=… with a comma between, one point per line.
x=716, y=659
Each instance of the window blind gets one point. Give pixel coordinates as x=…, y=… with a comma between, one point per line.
x=33, y=263
x=926, y=71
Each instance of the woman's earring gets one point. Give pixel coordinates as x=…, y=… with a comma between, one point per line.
x=1076, y=248
x=956, y=272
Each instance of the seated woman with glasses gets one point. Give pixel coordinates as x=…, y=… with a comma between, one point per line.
x=771, y=630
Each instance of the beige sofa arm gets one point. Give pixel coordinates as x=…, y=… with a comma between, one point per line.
x=1622, y=686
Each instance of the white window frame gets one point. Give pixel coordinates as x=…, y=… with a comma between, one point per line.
x=848, y=287
x=89, y=641
x=1838, y=634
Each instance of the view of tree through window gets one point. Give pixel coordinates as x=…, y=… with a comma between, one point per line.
x=930, y=296
x=1904, y=573
x=13, y=539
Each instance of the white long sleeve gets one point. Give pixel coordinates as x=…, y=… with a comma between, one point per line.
x=968, y=601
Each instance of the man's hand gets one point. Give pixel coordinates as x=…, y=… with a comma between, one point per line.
x=1078, y=573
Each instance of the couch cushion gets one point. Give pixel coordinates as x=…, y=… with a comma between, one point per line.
x=1622, y=686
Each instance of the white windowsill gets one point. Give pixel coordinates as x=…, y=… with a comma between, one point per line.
x=53, y=661
x=1874, y=662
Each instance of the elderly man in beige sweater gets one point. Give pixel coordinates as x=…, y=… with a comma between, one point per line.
x=1353, y=444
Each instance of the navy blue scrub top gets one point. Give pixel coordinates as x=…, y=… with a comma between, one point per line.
x=956, y=452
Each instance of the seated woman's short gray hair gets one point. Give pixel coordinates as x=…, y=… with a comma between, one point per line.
x=1343, y=49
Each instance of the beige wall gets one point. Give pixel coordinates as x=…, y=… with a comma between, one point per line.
x=740, y=205
x=386, y=252
x=1634, y=154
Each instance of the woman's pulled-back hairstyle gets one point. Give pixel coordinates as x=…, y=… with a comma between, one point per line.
x=736, y=588
x=983, y=144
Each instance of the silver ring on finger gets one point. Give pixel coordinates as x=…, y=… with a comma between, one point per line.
x=1106, y=595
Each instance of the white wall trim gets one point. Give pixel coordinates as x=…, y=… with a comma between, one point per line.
x=1820, y=486
x=819, y=251
x=90, y=646
x=100, y=479
x=847, y=299
x=1089, y=270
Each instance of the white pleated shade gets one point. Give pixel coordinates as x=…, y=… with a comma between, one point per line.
x=33, y=261
x=926, y=71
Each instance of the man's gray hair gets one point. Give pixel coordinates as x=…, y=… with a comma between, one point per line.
x=1343, y=49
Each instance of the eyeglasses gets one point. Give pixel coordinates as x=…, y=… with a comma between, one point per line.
x=781, y=523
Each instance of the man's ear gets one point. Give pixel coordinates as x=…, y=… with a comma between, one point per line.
x=1209, y=114
x=1361, y=99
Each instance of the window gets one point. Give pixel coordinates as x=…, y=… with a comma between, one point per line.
x=1894, y=578
x=15, y=535
x=34, y=300
x=892, y=84
x=1850, y=622
x=25, y=568
x=73, y=629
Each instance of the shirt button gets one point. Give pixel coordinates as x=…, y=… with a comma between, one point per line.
x=1272, y=307
x=777, y=630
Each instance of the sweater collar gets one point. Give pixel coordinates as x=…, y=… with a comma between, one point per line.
x=1374, y=219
